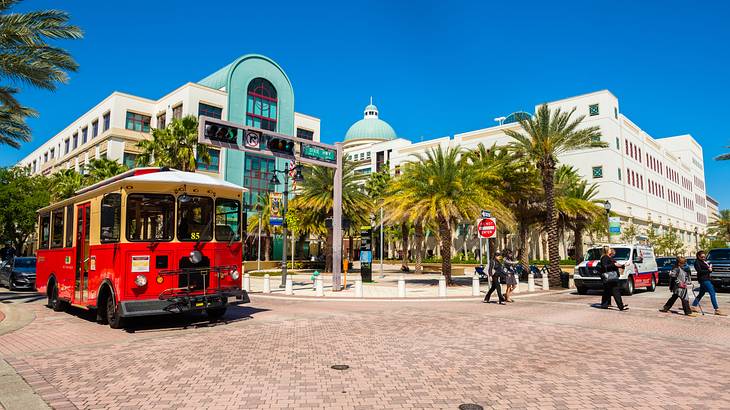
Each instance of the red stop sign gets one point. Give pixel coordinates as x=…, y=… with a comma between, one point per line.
x=487, y=228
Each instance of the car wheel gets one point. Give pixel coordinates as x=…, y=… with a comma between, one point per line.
x=11, y=286
x=54, y=302
x=629, y=289
x=215, y=314
x=652, y=287
x=581, y=290
x=113, y=316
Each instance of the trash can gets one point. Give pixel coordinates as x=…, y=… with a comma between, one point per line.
x=564, y=280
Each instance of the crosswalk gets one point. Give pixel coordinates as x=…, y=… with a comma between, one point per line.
x=7, y=296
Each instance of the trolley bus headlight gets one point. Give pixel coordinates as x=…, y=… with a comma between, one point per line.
x=140, y=280
x=196, y=257
x=234, y=274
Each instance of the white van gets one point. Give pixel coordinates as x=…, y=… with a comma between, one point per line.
x=640, y=269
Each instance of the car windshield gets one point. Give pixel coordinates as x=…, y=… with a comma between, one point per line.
x=665, y=262
x=194, y=214
x=622, y=254
x=25, y=263
x=719, y=255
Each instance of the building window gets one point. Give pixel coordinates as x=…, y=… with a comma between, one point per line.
x=177, y=111
x=305, y=134
x=75, y=140
x=597, y=172
x=596, y=138
x=53, y=153
x=214, y=161
x=261, y=105
x=45, y=231
x=45, y=157
x=66, y=145
x=257, y=177
x=129, y=160
x=619, y=174
x=94, y=129
x=593, y=110
x=161, y=120
x=107, y=121
x=618, y=144
x=368, y=155
x=615, y=112
x=138, y=122
x=210, y=111
x=84, y=135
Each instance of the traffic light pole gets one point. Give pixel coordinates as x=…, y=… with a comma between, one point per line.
x=284, y=230
x=337, y=223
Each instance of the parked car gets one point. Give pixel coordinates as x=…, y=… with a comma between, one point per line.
x=640, y=269
x=665, y=264
x=18, y=273
x=691, y=268
x=719, y=259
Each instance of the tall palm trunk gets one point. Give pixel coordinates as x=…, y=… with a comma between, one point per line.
x=404, y=232
x=446, y=240
x=267, y=241
x=578, y=244
x=522, y=232
x=418, y=238
x=551, y=224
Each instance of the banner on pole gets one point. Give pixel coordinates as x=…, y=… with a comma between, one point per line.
x=275, y=218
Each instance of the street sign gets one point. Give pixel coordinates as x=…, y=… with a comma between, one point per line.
x=315, y=152
x=487, y=228
x=486, y=214
x=614, y=224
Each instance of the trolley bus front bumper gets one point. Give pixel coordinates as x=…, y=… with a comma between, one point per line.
x=183, y=303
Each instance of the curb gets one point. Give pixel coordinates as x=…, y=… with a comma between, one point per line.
x=15, y=318
x=401, y=300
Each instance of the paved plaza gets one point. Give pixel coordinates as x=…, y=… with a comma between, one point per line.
x=550, y=350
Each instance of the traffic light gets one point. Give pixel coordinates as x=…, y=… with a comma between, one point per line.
x=221, y=133
x=281, y=146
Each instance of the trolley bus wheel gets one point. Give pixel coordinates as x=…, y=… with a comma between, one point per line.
x=214, y=314
x=54, y=302
x=112, y=314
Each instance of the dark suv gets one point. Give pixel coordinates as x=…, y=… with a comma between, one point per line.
x=720, y=261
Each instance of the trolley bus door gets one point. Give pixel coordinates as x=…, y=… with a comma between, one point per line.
x=81, y=284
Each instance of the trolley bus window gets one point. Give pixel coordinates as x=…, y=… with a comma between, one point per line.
x=227, y=220
x=194, y=215
x=69, y=226
x=45, y=231
x=150, y=217
x=57, y=231
x=111, y=218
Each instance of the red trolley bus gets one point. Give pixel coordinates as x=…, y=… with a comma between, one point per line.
x=150, y=241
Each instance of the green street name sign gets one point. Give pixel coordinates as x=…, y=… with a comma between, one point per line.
x=322, y=154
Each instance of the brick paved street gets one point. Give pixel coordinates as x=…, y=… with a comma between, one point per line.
x=549, y=351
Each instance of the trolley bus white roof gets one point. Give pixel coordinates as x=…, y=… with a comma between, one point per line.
x=180, y=177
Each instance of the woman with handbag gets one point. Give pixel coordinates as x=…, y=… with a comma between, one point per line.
x=679, y=291
x=609, y=275
x=511, y=276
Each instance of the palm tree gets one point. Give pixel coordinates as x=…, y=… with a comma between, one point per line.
x=542, y=140
x=576, y=204
x=315, y=201
x=443, y=186
x=175, y=146
x=720, y=228
x=65, y=183
x=263, y=208
x=103, y=168
x=27, y=58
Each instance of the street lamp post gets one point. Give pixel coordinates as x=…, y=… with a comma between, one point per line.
x=607, y=207
x=697, y=246
x=275, y=181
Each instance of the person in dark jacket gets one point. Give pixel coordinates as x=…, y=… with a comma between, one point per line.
x=611, y=287
x=7, y=252
x=497, y=272
x=704, y=270
x=680, y=279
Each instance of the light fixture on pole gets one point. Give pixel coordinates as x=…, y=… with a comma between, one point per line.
x=500, y=120
x=607, y=207
x=285, y=201
x=697, y=246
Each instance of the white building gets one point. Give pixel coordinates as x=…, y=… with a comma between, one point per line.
x=657, y=182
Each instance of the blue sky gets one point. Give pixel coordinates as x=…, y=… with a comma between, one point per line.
x=434, y=68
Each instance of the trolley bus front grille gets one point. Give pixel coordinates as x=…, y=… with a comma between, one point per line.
x=195, y=281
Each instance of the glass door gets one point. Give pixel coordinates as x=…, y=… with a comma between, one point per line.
x=81, y=283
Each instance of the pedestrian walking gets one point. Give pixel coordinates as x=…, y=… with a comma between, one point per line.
x=704, y=270
x=497, y=273
x=511, y=275
x=679, y=281
x=610, y=272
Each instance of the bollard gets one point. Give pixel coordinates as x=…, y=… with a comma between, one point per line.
x=401, y=287
x=358, y=288
x=267, y=284
x=545, y=281
x=320, y=286
x=517, y=286
x=571, y=282
x=246, y=282
x=442, y=286
x=475, y=285
x=530, y=282
x=289, y=290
